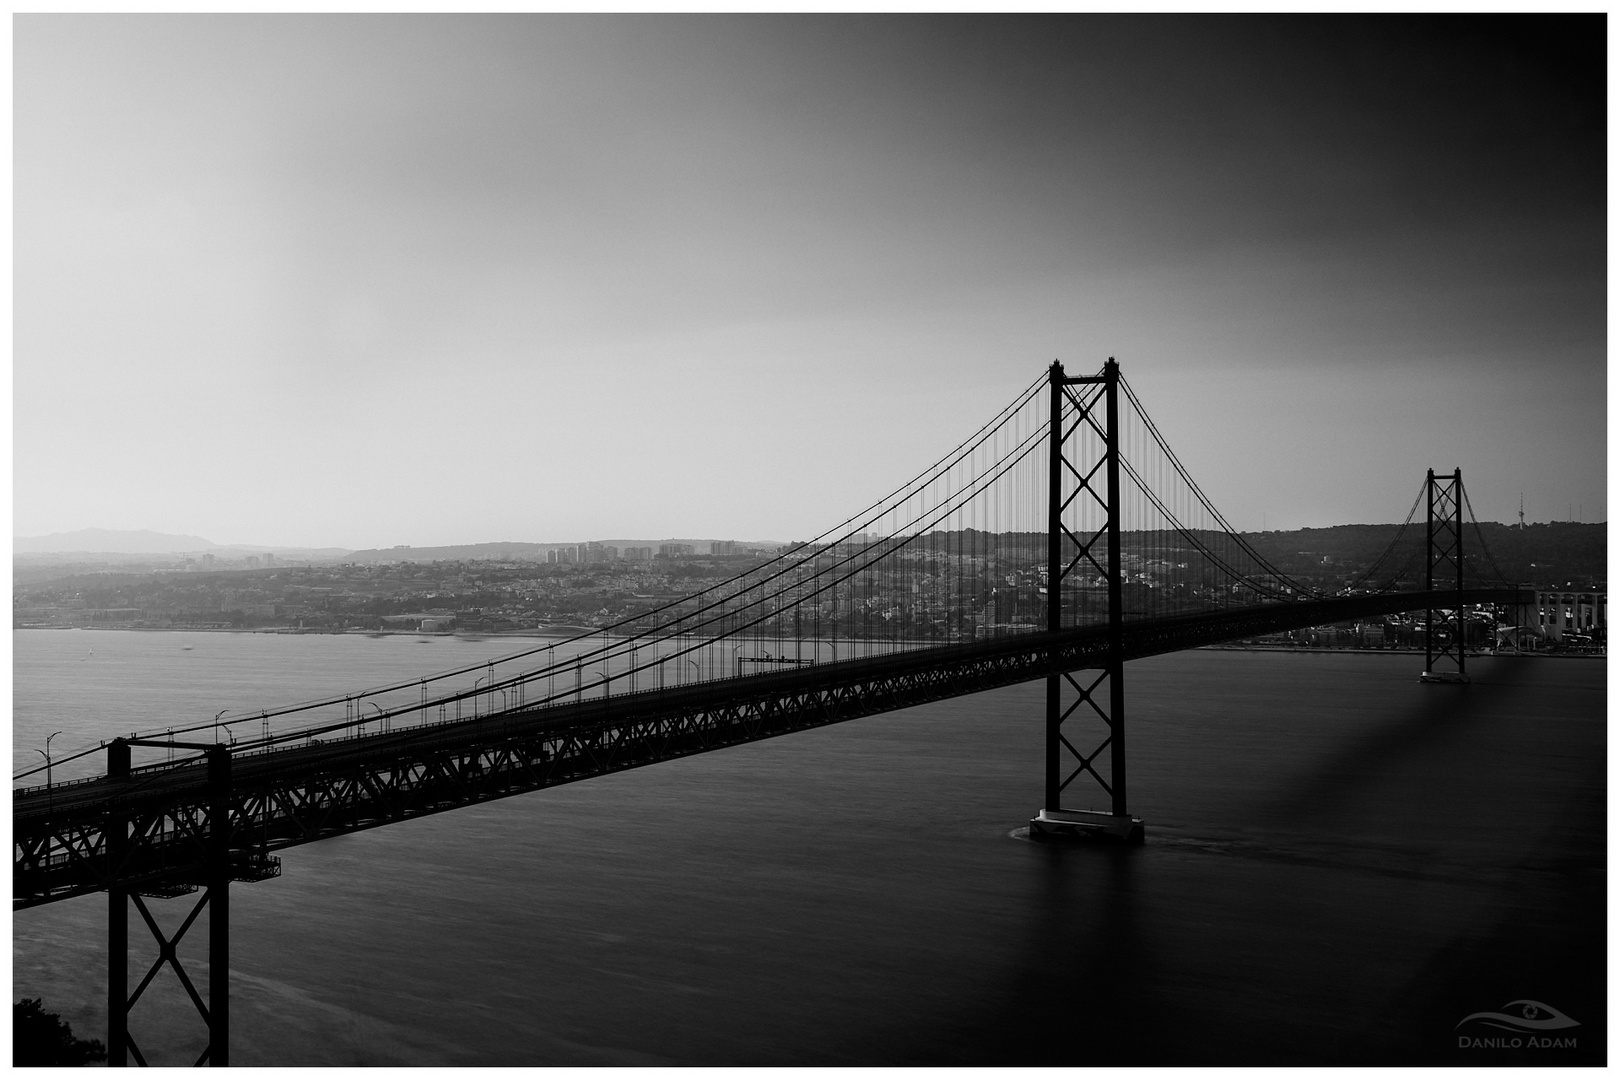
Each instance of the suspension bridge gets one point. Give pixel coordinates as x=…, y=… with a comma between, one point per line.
x=1057, y=542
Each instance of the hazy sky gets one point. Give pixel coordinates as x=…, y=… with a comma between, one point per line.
x=359, y=281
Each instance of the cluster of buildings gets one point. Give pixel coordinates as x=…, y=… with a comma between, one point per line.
x=1574, y=618
x=207, y=561
x=592, y=552
x=475, y=596
x=595, y=552
x=1561, y=621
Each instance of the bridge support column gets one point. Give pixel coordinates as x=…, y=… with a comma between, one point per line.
x=117, y=918
x=1444, y=661
x=219, y=908
x=1097, y=394
x=216, y=877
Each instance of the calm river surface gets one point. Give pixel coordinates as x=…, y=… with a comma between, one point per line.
x=1342, y=865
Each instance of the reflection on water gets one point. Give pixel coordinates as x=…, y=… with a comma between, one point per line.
x=853, y=895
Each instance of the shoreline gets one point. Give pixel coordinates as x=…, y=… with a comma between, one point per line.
x=1402, y=651
x=294, y=631
x=582, y=631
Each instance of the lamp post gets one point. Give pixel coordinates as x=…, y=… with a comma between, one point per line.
x=217, y=715
x=50, y=797
x=833, y=645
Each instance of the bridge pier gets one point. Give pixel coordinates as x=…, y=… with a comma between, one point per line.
x=1086, y=825
x=216, y=876
x=1100, y=393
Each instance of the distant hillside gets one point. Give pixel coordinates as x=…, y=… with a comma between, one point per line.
x=125, y=541
x=103, y=546
x=1550, y=554
x=501, y=550
x=107, y=546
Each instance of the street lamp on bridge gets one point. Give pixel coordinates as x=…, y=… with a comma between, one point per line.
x=818, y=643
x=50, y=798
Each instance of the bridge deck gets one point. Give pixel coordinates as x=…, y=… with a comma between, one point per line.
x=288, y=796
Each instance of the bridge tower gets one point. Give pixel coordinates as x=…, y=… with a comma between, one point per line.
x=1093, y=404
x=1444, y=661
x=216, y=874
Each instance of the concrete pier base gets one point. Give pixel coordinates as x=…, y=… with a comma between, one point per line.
x=1086, y=825
x=1443, y=676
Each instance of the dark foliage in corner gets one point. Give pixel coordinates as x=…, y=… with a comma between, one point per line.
x=42, y=1038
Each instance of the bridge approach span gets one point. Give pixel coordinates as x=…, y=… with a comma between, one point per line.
x=296, y=795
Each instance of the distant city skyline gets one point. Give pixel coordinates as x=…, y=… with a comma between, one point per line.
x=359, y=281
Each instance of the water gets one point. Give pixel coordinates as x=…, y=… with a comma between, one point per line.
x=92, y=685
x=1341, y=864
